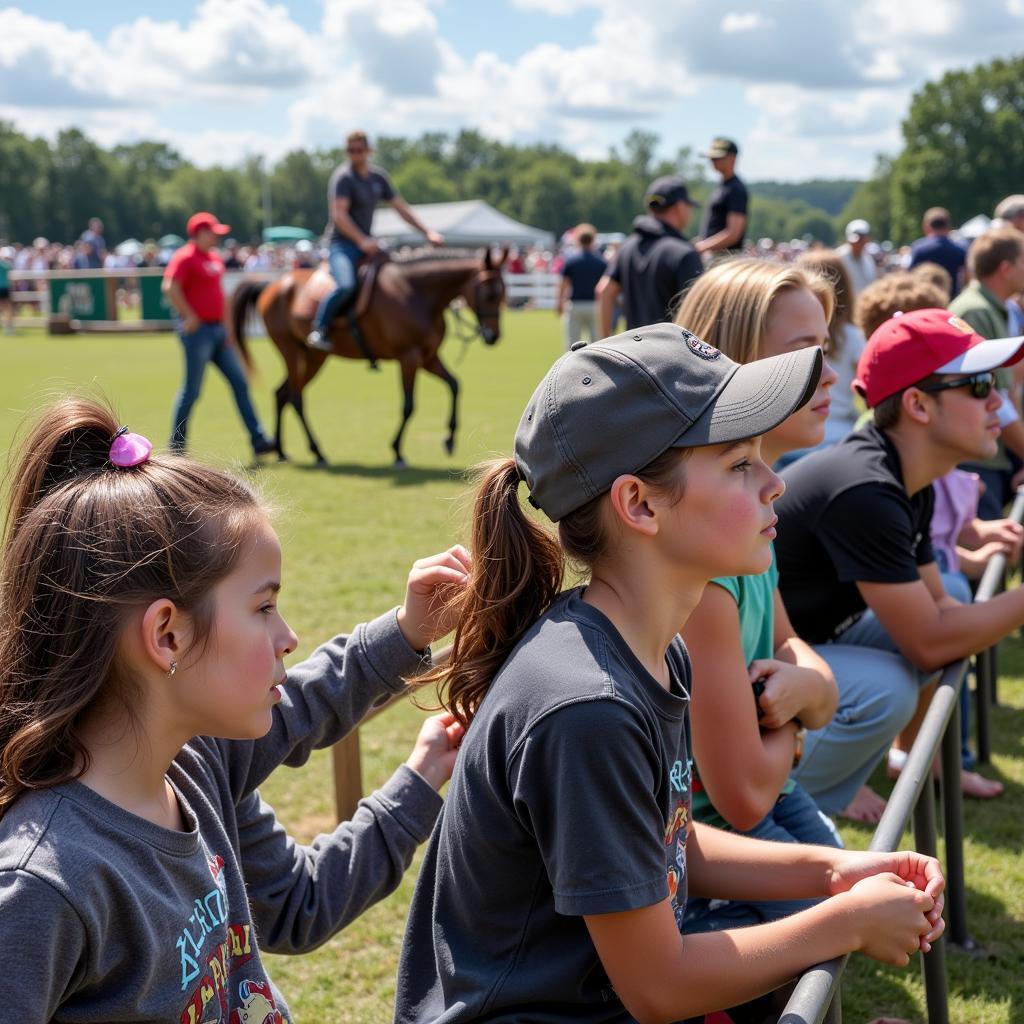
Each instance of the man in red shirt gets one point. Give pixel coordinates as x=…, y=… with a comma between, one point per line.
x=192, y=285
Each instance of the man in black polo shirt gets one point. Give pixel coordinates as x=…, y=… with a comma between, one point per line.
x=857, y=572
x=654, y=264
x=725, y=220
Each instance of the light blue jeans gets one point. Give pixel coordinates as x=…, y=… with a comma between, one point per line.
x=208, y=344
x=343, y=258
x=795, y=818
x=878, y=694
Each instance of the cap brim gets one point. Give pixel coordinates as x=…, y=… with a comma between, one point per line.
x=220, y=229
x=986, y=355
x=757, y=398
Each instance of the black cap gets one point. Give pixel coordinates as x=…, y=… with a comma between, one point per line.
x=667, y=191
x=721, y=147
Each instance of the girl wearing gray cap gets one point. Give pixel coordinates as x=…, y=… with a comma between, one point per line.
x=555, y=881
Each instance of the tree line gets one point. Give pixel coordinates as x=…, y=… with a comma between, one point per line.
x=148, y=189
x=963, y=149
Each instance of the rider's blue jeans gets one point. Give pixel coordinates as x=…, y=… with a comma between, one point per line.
x=343, y=258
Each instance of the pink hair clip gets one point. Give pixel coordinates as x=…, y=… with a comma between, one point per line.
x=128, y=449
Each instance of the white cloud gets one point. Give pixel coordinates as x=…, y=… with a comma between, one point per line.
x=747, y=22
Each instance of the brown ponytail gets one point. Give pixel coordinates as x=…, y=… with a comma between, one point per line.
x=85, y=544
x=518, y=571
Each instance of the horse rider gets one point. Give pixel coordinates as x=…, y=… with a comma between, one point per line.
x=352, y=195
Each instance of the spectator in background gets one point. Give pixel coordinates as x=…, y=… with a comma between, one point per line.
x=6, y=306
x=576, y=303
x=93, y=237
x=725, y=220
x=996, y=263
x=192, y=285
x=232, y=261
x=1011, y=212
x=937, y=247
x=846, y=342
x=305, y=254
x=857, y=260
x=937, y=276
x=656, y=262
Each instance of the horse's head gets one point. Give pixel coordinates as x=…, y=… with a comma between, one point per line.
x=485, y=295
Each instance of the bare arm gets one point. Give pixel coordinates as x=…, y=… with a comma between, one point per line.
x=661, y=977
x=563, y=295
x=742, y=768
x=607, y=293
x=820, y=693
x=405, y=211
x=728, y=237
x=176, y=297
x=932, y=632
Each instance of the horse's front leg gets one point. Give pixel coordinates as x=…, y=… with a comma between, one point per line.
x=409, y=363
x=438, y=369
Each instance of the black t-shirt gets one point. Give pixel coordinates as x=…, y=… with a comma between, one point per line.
x=653, y=266
x=729, y=197
x=363, y=194
x=847, y=518
x=571, y=796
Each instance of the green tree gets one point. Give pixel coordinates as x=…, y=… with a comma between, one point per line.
x=298, y=190
x=640, y=147
x=420, y=180
x=24, y=176
x=544, y=196
x=81, y=186
x=964, y=145
x=872, y=201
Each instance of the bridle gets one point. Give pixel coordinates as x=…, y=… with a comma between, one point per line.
x=466, y=330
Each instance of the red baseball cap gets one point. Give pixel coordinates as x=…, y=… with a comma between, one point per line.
x=911, y=346
x=206, y=220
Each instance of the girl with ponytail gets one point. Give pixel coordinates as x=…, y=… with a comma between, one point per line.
x=143, y=698
x=556, y=878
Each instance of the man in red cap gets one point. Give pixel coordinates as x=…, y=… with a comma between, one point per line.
x=193, y=286
x=857, y=572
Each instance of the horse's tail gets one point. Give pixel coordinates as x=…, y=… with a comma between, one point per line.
x=242, y=302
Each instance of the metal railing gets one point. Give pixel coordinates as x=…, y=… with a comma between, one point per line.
x=816, y=997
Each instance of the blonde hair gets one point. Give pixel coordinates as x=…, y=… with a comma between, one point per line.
x=729, y=305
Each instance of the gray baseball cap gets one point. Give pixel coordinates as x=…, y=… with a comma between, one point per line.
x=614, y=406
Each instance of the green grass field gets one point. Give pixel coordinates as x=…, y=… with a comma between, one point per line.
x=350, y=532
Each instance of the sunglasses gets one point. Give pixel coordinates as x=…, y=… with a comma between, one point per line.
x=979, y=384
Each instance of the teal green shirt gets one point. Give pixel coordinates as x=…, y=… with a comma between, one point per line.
x=755, y=604
x=4, y=268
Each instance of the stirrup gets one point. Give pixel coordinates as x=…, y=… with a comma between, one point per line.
x=361, y=341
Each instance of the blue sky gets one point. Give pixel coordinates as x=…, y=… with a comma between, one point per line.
x=807, y=89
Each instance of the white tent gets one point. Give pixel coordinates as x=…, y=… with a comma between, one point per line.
x=976, y=226
x=468, y=223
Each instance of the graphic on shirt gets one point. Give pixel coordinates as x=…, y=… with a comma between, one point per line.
x=257, y=1005
x=676, y=831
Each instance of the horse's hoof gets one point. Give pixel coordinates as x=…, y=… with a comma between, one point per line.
x=281, y=457
x=449, y=444
x=399, y=463
x=321, y=462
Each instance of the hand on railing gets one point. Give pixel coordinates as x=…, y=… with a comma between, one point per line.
x=915, y=870
x=891, y=918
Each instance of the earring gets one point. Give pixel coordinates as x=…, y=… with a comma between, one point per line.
x=172, y=669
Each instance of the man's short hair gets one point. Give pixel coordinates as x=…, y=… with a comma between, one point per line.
x=1011, y=208
x=990, y=250
x=355, y=138
x=937, y=218
x=585, y=234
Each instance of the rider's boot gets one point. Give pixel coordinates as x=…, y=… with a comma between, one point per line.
x=320, y=340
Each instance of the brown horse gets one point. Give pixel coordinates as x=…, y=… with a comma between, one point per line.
x=404, y=320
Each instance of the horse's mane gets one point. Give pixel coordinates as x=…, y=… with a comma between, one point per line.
x=413, y=257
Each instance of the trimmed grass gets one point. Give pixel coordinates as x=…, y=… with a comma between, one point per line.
x=350, y=533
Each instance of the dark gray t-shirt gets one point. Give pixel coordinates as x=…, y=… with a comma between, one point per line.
x=106, y=917
x=571, y=796
x=363, y=194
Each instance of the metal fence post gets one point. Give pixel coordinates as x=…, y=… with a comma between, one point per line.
x=953, y=827
x=933, y=966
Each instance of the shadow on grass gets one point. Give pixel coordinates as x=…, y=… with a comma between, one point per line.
x=411, y=476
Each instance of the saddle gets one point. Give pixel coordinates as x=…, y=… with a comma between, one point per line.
x=321, y=283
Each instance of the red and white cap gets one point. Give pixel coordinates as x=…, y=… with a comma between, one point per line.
x=911, y=346
x=206, y=220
